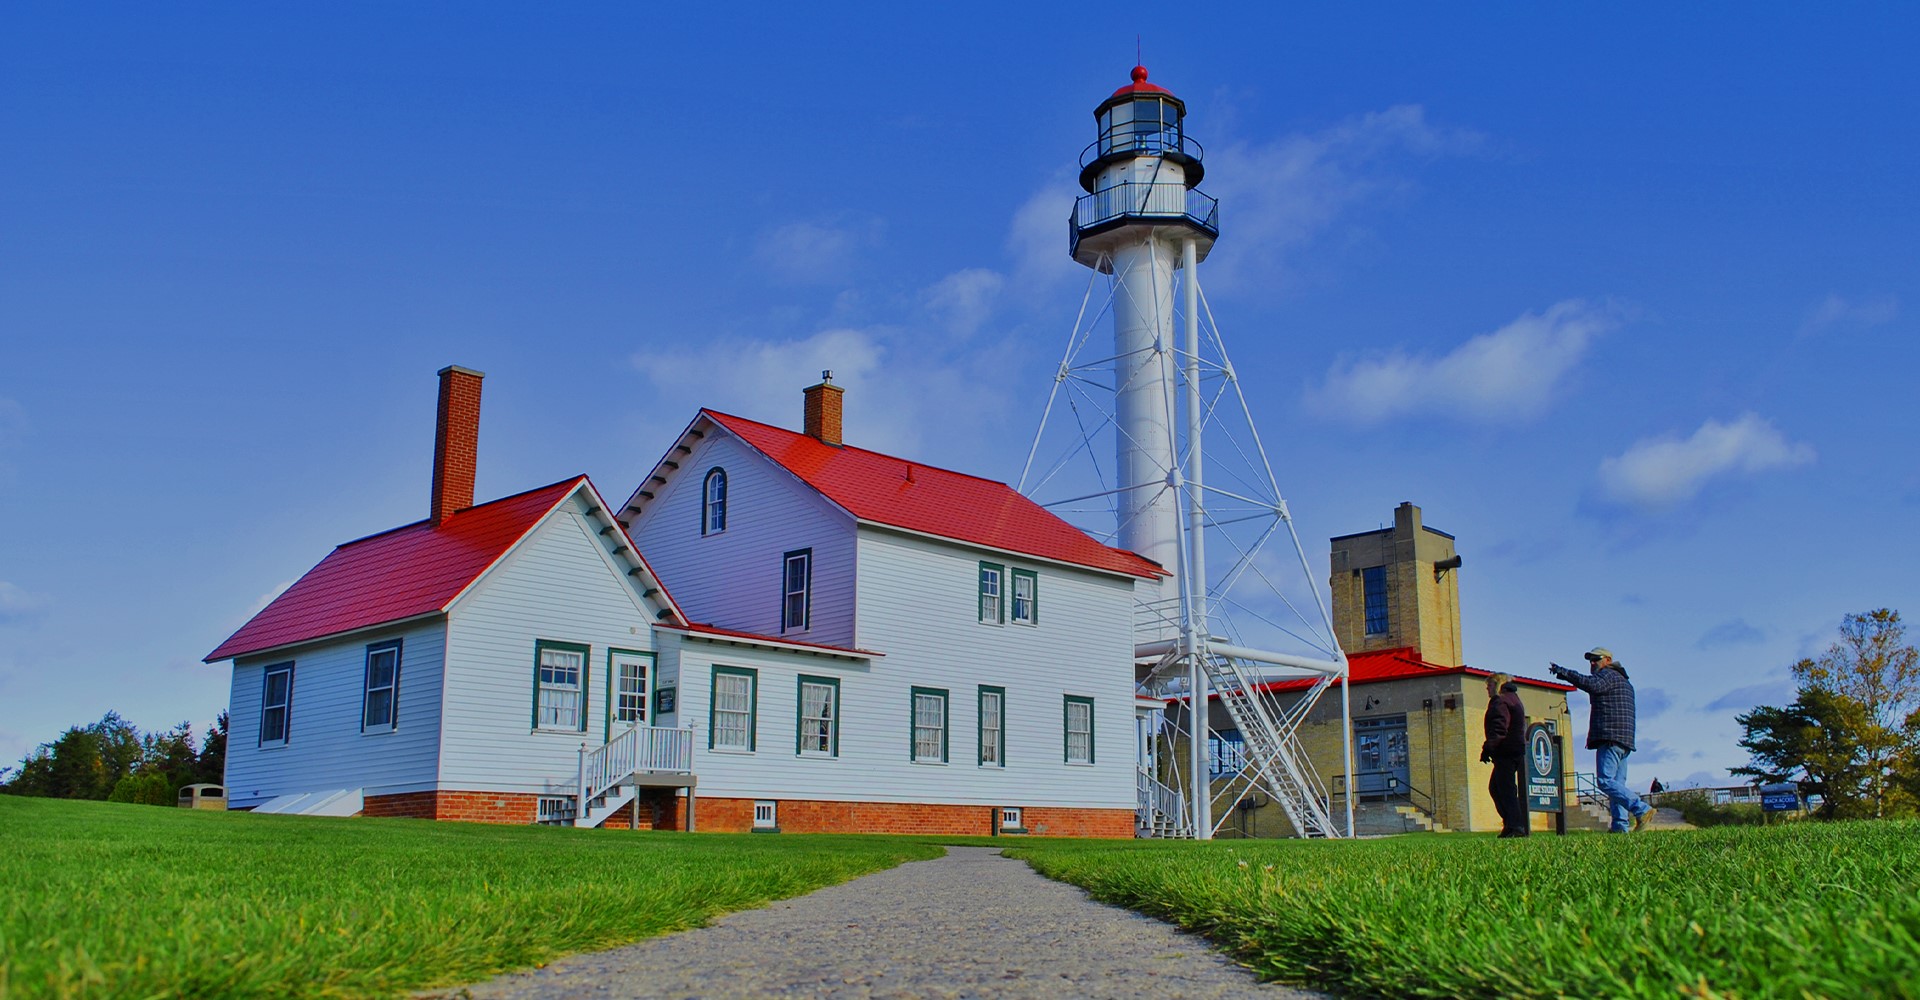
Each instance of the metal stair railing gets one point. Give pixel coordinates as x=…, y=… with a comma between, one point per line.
x=638, y=748
x=1273, y=753
x=1162, y=811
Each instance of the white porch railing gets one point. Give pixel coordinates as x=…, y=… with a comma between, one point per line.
x=650, y=749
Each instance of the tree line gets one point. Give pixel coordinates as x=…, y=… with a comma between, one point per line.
x=113, y=760
x=1852, y=733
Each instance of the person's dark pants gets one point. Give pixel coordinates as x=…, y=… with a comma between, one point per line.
x=1509, y=798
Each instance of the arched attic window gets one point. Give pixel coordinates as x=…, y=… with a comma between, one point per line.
x=713, y=502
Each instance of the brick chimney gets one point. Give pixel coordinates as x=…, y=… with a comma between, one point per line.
x=822, y=419
x=456, y=441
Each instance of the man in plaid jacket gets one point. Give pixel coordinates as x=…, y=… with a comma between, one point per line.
x=1610, y=734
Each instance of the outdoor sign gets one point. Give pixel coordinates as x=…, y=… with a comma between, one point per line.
x=1544, y=779
x=1781, y=797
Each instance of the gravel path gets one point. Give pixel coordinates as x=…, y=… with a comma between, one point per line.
x=971, y=924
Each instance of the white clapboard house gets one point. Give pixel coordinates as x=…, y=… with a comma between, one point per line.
x=859, y=643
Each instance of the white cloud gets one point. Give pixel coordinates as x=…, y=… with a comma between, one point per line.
x=1280, y=196
x=964, y=300
x=1513, y=372
x=260, y=603
x=815, y=252
x=1835, y=311
x=1663, y=471
x=16, y=604
x=1037, y=239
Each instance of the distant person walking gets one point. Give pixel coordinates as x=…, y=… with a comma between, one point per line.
x=1610, y=734
x=1506, y=749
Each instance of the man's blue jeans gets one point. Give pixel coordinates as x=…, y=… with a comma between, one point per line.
x=1610, y=773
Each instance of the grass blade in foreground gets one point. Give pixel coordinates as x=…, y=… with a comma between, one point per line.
x=105, y=900
x=1824, y=910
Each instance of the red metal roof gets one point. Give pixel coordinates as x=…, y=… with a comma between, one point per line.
x=1141, y=86
x=1400, y=664
x=395, y=575
x=902, y=494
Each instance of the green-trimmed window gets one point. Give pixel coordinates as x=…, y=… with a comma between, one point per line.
x=993, y=726
x=713, y=502
x=276, y=705
x=819, y=716
x=732, y=709
x=559, y=685
x=796, y=583
x=1026, y=597
x=992, y=600
x=380, y=700
x=929, y=744
x=1079, y=729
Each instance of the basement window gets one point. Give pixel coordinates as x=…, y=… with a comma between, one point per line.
x=1010, y=821
x=766, y=816
x=554, y=810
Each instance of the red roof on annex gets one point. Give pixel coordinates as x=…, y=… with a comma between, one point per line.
x=902, y=494
x=398, y=574
x=1400, y=664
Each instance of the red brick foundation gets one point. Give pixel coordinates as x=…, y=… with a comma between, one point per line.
x=717, y=815
x=661, y=809
x=466, y=807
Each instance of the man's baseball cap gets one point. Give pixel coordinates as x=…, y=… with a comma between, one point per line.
x=1599, y=653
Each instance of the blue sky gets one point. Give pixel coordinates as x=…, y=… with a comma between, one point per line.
x=1624, y=299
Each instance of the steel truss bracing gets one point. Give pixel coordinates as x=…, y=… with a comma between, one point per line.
x=1216, y=633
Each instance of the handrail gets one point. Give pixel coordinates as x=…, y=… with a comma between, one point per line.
x=1158, y=142
x=1170, y=199
x=637, y=748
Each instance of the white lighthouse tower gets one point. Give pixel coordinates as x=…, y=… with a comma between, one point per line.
x=1173, y=405
x=1143, y=217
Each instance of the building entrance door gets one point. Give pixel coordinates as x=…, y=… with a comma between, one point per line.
x=1380, y=756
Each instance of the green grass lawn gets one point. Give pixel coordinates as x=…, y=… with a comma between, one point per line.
x=137, y=901
x=105, y=900
x=1807, y=909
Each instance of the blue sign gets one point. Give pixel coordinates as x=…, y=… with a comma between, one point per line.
x=1545, y=782
x=1781, y=797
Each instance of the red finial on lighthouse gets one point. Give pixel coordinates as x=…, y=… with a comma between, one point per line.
x=1139, y=74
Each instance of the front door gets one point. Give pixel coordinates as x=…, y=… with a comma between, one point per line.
x=629, y=674
x=1380, y=756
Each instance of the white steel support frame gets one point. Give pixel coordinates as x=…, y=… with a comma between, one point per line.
x=1202, y=657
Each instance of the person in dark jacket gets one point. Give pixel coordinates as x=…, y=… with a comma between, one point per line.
x=1506, y=749
x=1610, y=734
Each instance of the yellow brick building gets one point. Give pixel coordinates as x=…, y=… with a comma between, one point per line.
x=1417, y=709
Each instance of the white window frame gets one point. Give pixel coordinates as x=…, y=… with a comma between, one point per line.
x=1031, y=615
x=993, y=601
x=713, y=509
x=766, y=815
x=796, y=602
x=284, y=705
x=1071, y=732
x=927, y=726
x=730, y=728
x=819, y=723
x=627, y=705
x=1010, y=820
x=560, y=705
x=373, y=688
x=997, y=716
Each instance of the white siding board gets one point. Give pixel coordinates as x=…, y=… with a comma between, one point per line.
x=733, y=578
x=326, y=749
x=917, y=601
x=559, y=585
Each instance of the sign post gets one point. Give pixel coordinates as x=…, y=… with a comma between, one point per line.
x=1546, y=791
